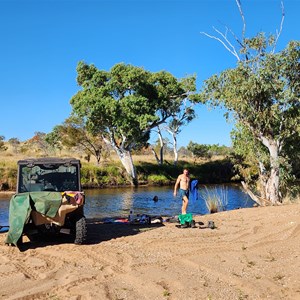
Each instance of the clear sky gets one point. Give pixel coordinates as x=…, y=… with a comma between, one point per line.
x=43, y=40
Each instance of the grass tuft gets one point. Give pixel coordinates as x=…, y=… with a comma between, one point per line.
x=216, y=200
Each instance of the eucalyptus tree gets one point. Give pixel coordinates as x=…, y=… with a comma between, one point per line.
x=160, y=143
x=38, y=143
x=2, y=144
x=182, y=115
x=175, y=124
x=262, y=93
x=15, y=144
x=199, y=150
x=74, y=134
x=124, y=104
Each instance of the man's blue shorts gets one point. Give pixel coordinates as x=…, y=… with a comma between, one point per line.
x=183, y=193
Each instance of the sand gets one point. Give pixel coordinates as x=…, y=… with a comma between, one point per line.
x=252, y=254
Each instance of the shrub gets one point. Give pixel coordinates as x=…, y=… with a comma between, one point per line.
x=216, y=199
x=158, y=179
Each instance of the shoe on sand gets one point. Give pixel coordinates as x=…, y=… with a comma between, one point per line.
x=211, y=225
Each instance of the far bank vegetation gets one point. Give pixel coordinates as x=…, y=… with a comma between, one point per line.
x=212, y=166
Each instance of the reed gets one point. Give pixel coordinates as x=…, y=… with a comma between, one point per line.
x=290, y=199
x=216, y=199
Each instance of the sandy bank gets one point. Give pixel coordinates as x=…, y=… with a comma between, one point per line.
x=253, y=254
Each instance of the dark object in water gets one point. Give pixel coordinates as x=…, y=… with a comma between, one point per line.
x=155, y=198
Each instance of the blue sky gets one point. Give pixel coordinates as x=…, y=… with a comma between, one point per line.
x=42, y=41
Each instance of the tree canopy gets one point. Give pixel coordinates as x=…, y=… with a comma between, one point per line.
x=73, y=134
x=2, y=145
x=123, y=105
x=262, y=93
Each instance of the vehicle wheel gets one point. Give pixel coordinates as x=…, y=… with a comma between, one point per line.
x=80, y=231
x=20, y=242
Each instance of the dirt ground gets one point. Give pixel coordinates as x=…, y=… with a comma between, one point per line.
x=252, y=254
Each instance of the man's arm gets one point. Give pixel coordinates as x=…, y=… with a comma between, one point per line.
x=176, y=185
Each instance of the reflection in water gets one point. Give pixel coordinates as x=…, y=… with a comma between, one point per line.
x=4, y=207
x=127, y=199
x=114, y=202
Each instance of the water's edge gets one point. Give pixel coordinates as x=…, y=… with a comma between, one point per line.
x=117, y=202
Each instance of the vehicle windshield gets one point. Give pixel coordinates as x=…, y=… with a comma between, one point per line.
x=48, y=177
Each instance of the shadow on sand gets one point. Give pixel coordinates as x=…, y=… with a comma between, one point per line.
x=100, y=232
x=97, y=232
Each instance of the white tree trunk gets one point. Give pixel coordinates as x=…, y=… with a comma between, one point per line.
x=160, y=159
x=262, y=180
x=173, y=133
x=126, y=160
x=155, y=155
x=272, y=183
x=161, y=150
x=175, y=148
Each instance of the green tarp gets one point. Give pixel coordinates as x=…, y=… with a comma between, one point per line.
x=187, y=218
x=46, y=203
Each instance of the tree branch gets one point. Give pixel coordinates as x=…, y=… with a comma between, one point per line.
x=239, y=4
x=281, y=26
x=233, y=52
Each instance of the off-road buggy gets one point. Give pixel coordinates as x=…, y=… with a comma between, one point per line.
x=49, y=200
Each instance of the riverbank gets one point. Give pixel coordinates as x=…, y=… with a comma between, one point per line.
x=148, y=173
x=252, y=254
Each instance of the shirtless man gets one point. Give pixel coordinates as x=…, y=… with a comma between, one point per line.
x=183, y=181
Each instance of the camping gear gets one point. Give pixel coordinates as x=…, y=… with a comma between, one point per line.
x=139, y=219
x=186, y=221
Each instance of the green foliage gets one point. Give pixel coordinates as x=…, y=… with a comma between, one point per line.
x=8, y=176
x=199, y=150
x=218, y=171
x=262, y=94
x=158, y=180
x=74, y=134
x=126, y=102
x=38, y=142
x=123, y=105
x=2, y=145
x=112, y=175
x=15, y=143
x=150, y=173
x=247, y=154
x=54, y=138
x=93, y=176
x=216, y=149
x=207, y=151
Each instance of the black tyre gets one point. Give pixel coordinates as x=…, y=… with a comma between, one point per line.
x=20, y=242
x=80, y=231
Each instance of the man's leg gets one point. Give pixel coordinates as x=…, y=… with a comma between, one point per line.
x=185, y=202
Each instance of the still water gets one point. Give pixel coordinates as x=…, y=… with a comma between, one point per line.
x=117, y=202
